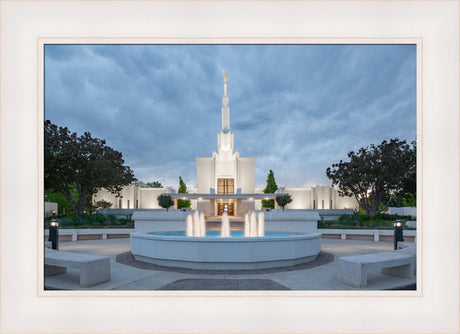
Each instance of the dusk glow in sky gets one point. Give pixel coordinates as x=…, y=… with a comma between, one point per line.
x=296, y=108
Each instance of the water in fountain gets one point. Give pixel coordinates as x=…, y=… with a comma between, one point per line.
x=261, y=225
x=253, y=225
x=247, y=232
x=202, y=225
x=196, y=224
x=225, y=228
x=189, y=226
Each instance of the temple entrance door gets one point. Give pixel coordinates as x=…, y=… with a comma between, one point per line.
x=225, y=186
x=221, y=209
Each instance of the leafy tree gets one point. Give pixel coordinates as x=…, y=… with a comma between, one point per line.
x=396, y=201
x=283, y=199
x=142, y=184
x=374, y=174
x=410, y=200
x=102, y=204
x=165, y=201
x=270, y=189
x=409, y=183
x=82, y=164
x=183, y=203
x=154, y=184
x=62, y=202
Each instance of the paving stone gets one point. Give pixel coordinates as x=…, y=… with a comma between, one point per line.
x=223, y=284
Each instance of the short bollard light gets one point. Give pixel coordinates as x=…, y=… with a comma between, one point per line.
x=398, y=232
x=54, y=234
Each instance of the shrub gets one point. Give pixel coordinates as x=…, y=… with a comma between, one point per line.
x=165, y=201
x=113, y=219
x=283, y=199
x=100, y=218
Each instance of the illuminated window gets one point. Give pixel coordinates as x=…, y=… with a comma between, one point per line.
x=322, y=204
x=225, y=186
x=331, y=205
x=128, y=204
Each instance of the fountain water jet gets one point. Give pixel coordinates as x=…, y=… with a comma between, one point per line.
x=202, y=225
x=189, y=226
x=253, y=225
x=247, y=232
x=225, y=228
x=261, y=225
x=196, y=224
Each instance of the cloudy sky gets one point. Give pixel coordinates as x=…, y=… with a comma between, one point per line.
x=296, y=108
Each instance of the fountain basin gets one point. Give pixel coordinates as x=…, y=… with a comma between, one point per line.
x=228, y=253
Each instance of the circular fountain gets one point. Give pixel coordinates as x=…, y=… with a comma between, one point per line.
x=253, y=248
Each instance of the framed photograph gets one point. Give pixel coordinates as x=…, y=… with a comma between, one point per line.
x=287, y=87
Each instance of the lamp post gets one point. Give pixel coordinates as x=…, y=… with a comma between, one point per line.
x=54, y=234
x=398, y=232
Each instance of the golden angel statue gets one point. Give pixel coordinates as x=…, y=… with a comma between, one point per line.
x=225, y=75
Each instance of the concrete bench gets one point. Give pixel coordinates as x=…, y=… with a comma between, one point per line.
x=93, y=269
x=353, y=270
x=408, y=248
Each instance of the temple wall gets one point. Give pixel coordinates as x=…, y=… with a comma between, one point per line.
x=148, y=197
x=301, y=198
x=205, y=174
x=246, y=173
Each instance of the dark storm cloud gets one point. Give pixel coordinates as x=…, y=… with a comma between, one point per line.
x=296, y=108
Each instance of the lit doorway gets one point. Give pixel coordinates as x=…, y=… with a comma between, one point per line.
x=222, y=206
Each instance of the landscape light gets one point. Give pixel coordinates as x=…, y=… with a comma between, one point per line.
x=54, y=234
x=398, y=233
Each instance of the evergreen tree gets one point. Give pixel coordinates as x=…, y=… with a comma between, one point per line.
x=270, y=189
x=183, y=203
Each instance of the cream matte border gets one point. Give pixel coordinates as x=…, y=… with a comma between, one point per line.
x=434, y=312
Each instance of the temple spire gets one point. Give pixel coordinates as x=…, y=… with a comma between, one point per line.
x=225, y=82
x=225, y=107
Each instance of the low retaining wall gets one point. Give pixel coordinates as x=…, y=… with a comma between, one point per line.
x=91, y=233
x=404, y=211
x=376, y=235
x=291, y=221
x=324, y=214
x=123, y=213
x=160, y=220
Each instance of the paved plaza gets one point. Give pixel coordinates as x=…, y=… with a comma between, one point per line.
x=322, y=276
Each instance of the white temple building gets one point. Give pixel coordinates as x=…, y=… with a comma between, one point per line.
x=226, y=181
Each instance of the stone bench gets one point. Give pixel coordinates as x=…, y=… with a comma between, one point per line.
x=93, y=269
x=353, y=270
x=408, y=248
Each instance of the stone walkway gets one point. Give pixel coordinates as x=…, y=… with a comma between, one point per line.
x=223, y=284
x=319, y=276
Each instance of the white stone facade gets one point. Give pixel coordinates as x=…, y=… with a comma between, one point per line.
x=223, y=174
